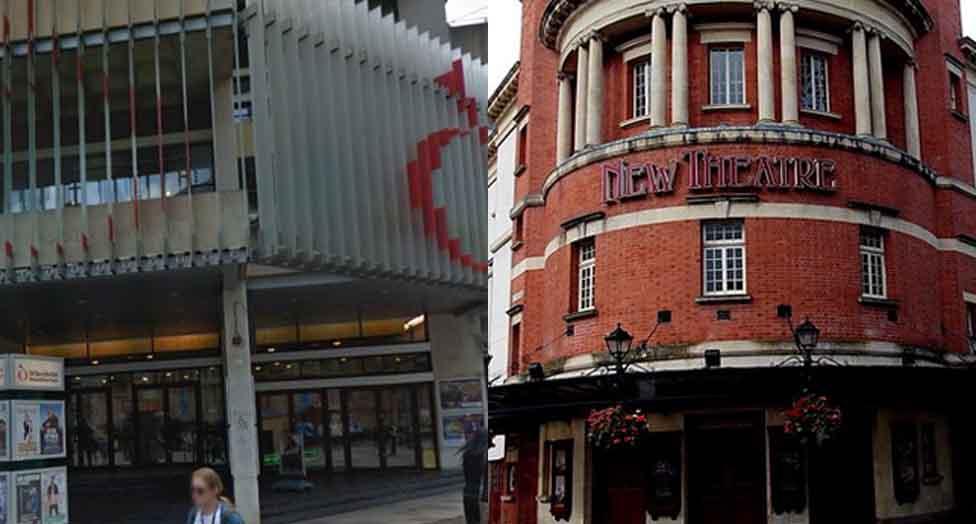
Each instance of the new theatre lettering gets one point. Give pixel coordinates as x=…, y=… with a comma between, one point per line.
x=705, y=172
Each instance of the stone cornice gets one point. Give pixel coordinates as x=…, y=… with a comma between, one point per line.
x=505, y=93
x=557, y=12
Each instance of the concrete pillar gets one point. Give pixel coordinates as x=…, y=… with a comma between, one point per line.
x=582, y=77
x=457, y=349
x=764, y=61
x=594, y=92
x=862, y=94
x=787, y=65
x=659, y=69
x=913, y=142
x=242, y=433
x=878, y=122
x=564, y=120
x=679, y=66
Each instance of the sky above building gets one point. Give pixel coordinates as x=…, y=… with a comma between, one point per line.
x=504, y=28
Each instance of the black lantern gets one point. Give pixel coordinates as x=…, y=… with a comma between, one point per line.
x=807, y=335
x=618, y=343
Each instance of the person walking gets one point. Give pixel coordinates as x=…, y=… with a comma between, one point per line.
x=474, y=458
x=210, y=506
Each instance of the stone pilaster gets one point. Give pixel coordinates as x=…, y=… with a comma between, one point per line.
x=564, y=119
x=913, y=141
x=862, y=92
x=659, y=69
x=582, y=78
x=679, y=65
x=787, y=64
x=764, y=61
x=594, y=92
x=876, y=72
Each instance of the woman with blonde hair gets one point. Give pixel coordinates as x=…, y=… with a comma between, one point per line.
x=210, y=506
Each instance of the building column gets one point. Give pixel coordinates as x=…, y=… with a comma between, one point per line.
x=862, y=94
x=594, y=97
x=242, y=436
x=764, y=61
x=679, y=66
x=659, y=69
x=787, y=64
x=582, y=76
x=913, y=142
x=564, y=124
x=876, y=72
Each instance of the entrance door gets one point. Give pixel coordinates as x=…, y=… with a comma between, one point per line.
x=619, y=487
x=91, y=436
x=362, y=436
x=168, y=423
x=848, y=496
x=726, y=470
x=307, y=420
x=398, y=437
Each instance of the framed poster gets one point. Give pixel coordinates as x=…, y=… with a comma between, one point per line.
x=904, y=462
x=561, y=481
x=788, y=472
x=54, y=495
x=458, y=428
x=38, y=429
x=664, y=493
x=4, y=430
x=4, y=497
x=37, y=373
x=461, y=394
x=27, y=491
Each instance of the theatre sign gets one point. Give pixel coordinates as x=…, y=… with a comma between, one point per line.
x=706, y=172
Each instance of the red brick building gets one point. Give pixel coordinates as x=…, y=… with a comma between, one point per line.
x=708, y=175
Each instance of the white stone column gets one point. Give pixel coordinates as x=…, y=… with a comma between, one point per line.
x=862, y=93
x=878, y=122
x=787, y=65
x=594, y=96
x=764, y=61
x=582, y=76
x=242, y=433
x=679, y=66
x=913, y=142
x=564, y=124
x=659, y=69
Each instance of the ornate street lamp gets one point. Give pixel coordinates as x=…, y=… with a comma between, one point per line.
x=618, y=345
x=807, y=336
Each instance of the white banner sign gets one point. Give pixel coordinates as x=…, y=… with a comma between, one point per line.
x=38, y=373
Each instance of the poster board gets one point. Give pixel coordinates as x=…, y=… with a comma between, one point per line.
x=54, y=496
x=462, y=409
x=38, y=429
x=4, y=431
x=27, y=496
x=34, y=373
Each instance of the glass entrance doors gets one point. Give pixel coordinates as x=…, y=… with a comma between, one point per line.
x=90, y=421
x=168, y=424
x=355, y=428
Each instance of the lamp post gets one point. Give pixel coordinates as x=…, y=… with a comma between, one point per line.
x=806, y=337
x=618, y=344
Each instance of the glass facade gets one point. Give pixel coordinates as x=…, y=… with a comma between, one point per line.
x=351, y=428
x=147, y=418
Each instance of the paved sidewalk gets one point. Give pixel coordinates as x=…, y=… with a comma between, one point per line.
x=439, y=509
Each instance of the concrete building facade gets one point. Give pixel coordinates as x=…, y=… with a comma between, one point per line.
x=245, y=225
x=707, y=176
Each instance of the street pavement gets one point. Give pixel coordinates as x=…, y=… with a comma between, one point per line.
x=438, y=509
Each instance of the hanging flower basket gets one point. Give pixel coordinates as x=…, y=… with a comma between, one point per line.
x=813, y=416
x=617, y=427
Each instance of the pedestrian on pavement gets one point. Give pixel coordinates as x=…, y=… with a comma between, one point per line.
x=474, y=458
x=210, y=506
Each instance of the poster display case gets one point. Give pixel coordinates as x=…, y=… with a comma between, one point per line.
x=33, y=441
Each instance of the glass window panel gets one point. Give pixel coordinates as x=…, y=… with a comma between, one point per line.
x=274, y=427
x=308, y=422
x=363, y=426
x=92, y=429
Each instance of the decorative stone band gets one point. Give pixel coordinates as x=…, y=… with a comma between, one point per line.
x=744, y=354
x=725, y=209
x=762, y=134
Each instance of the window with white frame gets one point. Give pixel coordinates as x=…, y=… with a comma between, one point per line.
x=816, y=90
x=971, y=326
x=586, y=275
x=727, y=76
x=873, y=281
x=955, y=91
x=641, y=81
x=723, y=258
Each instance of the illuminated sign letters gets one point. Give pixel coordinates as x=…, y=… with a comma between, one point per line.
x=705, y=172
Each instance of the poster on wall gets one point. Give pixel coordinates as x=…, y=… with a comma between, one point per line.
x=4, y=491
x=27, y=490
x=38, y=429
x=459, y=428
x=4, y=430
x=54, y=494
x=38, y=373
x=461, y=394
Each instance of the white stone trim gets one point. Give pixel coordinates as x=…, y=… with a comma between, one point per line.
x=725, y=210
x=969, y=297
x=724, y=33
x=818, y=41
x=635, y=49
x=500, y=242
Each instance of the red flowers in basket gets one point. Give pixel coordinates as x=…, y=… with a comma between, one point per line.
x=813, y=416
x=617, y=427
